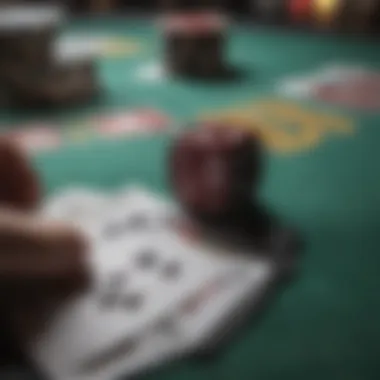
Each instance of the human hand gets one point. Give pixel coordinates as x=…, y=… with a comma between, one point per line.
x=41, y=263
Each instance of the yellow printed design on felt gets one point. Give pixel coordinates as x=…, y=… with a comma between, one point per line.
x=326, y=11
x=285, y=127
x=119, y=47
x=77, y=131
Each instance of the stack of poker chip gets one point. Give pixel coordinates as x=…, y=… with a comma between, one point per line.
x=30, y=74
x=320, y=14
x=194, y=43
x=335, y=15
x=361, y=16
x=345, y=15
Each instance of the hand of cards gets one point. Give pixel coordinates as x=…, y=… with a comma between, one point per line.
x=158, y=292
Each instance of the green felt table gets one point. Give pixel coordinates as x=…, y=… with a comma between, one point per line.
x=322, y=177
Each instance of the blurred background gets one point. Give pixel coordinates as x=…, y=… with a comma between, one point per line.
x=95, y=98
x=275, y=11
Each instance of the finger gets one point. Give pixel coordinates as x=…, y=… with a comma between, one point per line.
x=10, y=350
x=26, y=321
x=19, y=184
x=34, y=253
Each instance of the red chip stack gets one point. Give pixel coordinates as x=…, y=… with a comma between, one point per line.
x=300, y=10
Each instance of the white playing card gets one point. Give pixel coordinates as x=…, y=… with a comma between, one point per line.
x=217, y=302
x=156, y=269
x=157, y=295
x=222, y=297
x=153, y=73
x=296, y=87
x=336, y=72
x=132, y=355
x=79, y=47
x=79, y=206
x=73, y=202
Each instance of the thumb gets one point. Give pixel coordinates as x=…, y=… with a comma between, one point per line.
x=40, y=256
x=19, y=184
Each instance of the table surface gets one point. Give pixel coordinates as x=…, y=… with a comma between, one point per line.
x=321, y=176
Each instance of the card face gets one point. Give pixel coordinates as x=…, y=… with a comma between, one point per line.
x=138, y=277
x=158, y=343
x=74, y=49
x=134, y=211
x=89, y=324
x=237, y=287
x=78, y=205
x=156, y=294
x=87, y=209
x=239, y=282
x=340, y=72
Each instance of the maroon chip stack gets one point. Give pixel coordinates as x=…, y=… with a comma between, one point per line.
x=215, y=169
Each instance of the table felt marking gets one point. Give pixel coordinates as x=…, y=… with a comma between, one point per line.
x=51, y=135
x=285, y=127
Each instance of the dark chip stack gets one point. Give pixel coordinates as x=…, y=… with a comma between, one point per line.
x=195, y=55
x=361, y=16
x=194, y=39
x=31, y=75
x=341, y=16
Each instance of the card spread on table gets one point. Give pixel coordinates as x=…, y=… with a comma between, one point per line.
x=155, y=295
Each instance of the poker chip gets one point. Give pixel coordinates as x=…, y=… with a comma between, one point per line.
x=194, y=44
x=193, y=23
x=299, y=10
x=326, y=12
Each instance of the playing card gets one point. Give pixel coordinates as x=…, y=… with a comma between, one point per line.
x=76, y=205
x=153, y=72
x=132, y=355
x=216, y=303
x=138, y=277
x=74, y=49
x=340, y=72
x=296, y=87
x=158, y=292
